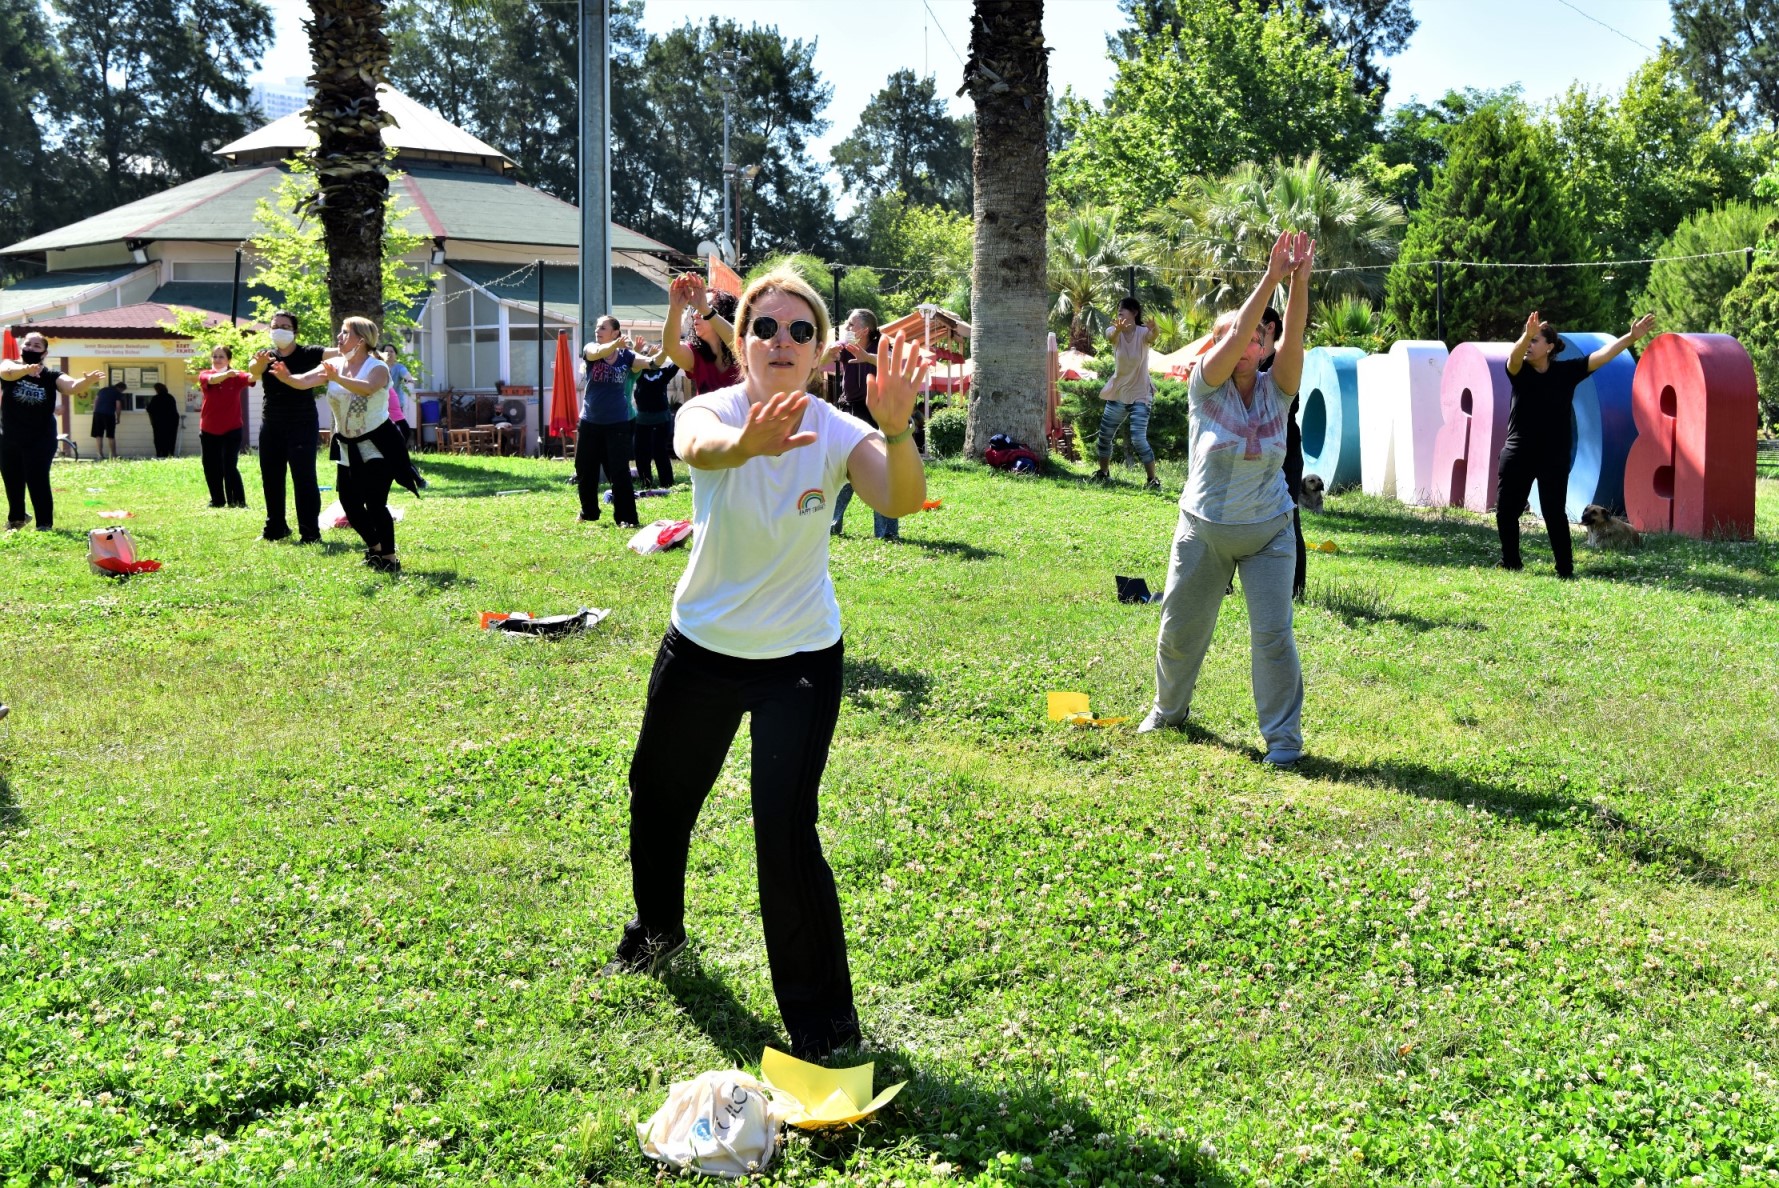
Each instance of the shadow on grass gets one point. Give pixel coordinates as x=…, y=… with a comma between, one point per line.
x=951, y=548
x=437, y=579
x=1543, y=811
x=874, y=686
x=964, y=1121
x=11, y=815
x=473, y=482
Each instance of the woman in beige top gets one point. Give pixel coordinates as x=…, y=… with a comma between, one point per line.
x=1130, y=393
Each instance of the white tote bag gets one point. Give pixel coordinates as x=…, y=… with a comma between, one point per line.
x=717, y=1124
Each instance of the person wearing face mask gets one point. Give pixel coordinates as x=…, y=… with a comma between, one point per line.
x=33, y=398
x=756, y=630
x=369, y=452
x=605, y=434
x=1540, y=436
x=290, y=431
x=1236, y=512
x=707, y=356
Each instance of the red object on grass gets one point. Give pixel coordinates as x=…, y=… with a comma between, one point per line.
x=565, y=411
x=125, y=568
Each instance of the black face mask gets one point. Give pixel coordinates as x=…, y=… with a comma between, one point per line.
x=32, y=356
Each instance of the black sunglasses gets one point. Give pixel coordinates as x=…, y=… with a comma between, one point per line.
x=766, y=329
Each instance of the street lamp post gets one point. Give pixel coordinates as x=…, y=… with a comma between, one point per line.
x=727, y=63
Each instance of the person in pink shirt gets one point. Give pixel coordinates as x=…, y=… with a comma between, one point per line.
x=707, y=355
x=219, y=428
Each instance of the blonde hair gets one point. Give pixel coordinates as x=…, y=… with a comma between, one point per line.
x=782, y=280
x=364, y=328
x=1224, y=324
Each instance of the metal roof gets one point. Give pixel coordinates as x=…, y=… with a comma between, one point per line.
x=60, y=288
x=437, y=203
x=147, y=319
x=635, y=298
x=417, y=129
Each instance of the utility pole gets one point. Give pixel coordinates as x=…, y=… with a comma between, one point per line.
x=595, y=166
x=728, y=62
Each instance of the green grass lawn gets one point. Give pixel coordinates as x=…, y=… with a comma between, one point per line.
x=306, y=879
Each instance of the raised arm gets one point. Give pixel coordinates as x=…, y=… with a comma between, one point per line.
x=1517, y=356
x=772, y=428
x=1218, y=363
x=678, y=296
x=68, y=386
x=1287, y=364
x=17, y=368
x=1607, y=353
x=891, y=478
x=374, y=383
x=593, y=352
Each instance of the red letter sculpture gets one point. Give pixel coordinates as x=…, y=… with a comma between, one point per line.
x=1691, y=469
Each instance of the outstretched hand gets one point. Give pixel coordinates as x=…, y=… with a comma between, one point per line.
x=690, y=289
x=900, y=379
x=771, y=427
x=1642, y=326
x=1279, y=262
x=1534, y=326
x=1303, y=256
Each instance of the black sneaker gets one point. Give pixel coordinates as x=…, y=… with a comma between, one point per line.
x=274, y=534
x=306, y=538
x=1152, y=485
x=1100, y=478
x=643, y=955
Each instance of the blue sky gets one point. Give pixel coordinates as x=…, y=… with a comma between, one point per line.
x=1543, y=45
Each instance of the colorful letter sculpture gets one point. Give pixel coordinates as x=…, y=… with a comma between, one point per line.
x=1473, y=396
x=1328, y=415
x=1399, y=418
x=1691, y=469
x=1602, y=428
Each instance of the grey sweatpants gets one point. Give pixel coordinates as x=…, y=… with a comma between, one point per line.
x=1205, y=557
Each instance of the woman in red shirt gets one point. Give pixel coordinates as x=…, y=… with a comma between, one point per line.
x=707, y=356
x=219, y=428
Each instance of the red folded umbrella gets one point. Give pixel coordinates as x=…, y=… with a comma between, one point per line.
x=564, y=410
x=9, y=347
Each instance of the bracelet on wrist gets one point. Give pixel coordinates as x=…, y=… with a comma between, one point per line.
x=890, y=439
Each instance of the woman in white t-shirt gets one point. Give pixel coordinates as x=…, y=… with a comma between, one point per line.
x=756, y=630
x=1129, y=393
x=1236, y=511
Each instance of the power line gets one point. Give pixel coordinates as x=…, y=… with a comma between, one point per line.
x=942, y=37
x=1604, y=25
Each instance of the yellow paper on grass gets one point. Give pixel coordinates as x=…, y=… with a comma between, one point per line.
x=1067, y=705
x=824, y=1096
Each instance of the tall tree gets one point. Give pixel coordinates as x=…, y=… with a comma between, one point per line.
x=907, y=140
x=1411, y=141
x=1362, y=30
x=1087, y=258
x=1729, y=50
x=1496, y=201
x=1234, y=85
x=925, y=252
x=1008, y=77
x=32, y=97
x=162, y=84
x=1751, y=313
x=350, y=51
x=1631, y=167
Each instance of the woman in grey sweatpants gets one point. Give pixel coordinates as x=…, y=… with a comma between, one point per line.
x=1236, y=512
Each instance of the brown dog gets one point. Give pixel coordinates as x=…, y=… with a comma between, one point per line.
x=1311, y=499
x=1607, y=531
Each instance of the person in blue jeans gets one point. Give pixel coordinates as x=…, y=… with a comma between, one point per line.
x=1130, y=392
x=855, y=348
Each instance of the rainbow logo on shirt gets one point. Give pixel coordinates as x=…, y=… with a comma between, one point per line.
x=810, y=501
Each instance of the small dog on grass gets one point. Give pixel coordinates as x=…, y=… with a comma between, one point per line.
x=1313, y=487
x=1607, y=531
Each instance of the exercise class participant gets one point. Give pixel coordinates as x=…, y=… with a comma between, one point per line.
x=1540, y=435
x=1236, y=512
x=707, y=355
x=219, y=427
x=1271, y=326
x=605, y=435
x=289, y=432
x=654, y=419
x=857, y=351
x=32, y=398
x=1130, y=393
x=756, y=630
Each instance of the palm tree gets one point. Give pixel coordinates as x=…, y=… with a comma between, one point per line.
x=1212, y=239
x=1087, y=259
x=1350, y=321
x=1008, y=77
x=350, y=52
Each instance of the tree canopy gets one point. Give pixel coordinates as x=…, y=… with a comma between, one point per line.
x=1729, y=50
x=908, y=141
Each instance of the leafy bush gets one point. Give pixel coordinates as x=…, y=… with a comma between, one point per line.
x=1751, y=313
x=1169, y=432
x=945, y=432
x=1686, y=295
x=1351, y=321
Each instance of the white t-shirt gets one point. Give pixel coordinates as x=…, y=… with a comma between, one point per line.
x=757, y=584
x=355, y=415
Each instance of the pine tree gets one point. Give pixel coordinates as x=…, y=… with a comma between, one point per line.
x=1751, y=314
x=1496, y=200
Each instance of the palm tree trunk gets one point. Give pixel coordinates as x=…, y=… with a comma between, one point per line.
x=1008, y=76
x=350, y=52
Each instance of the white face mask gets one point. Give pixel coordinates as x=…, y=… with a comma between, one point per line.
x=282, y=338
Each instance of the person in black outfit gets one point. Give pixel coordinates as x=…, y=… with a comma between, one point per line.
x=105, y=402
x=163, y=419
x=290, y=431
x=856, y=349
x=31, y=399
x=1540, y=435
x=1271, y=326
x=654, y=422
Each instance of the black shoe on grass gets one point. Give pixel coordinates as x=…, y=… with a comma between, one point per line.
x=642, y=953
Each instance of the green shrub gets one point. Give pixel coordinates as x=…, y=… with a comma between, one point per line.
x=1169, y=435
x=945, y=432
x=1686, y=294
x=1751, y=313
